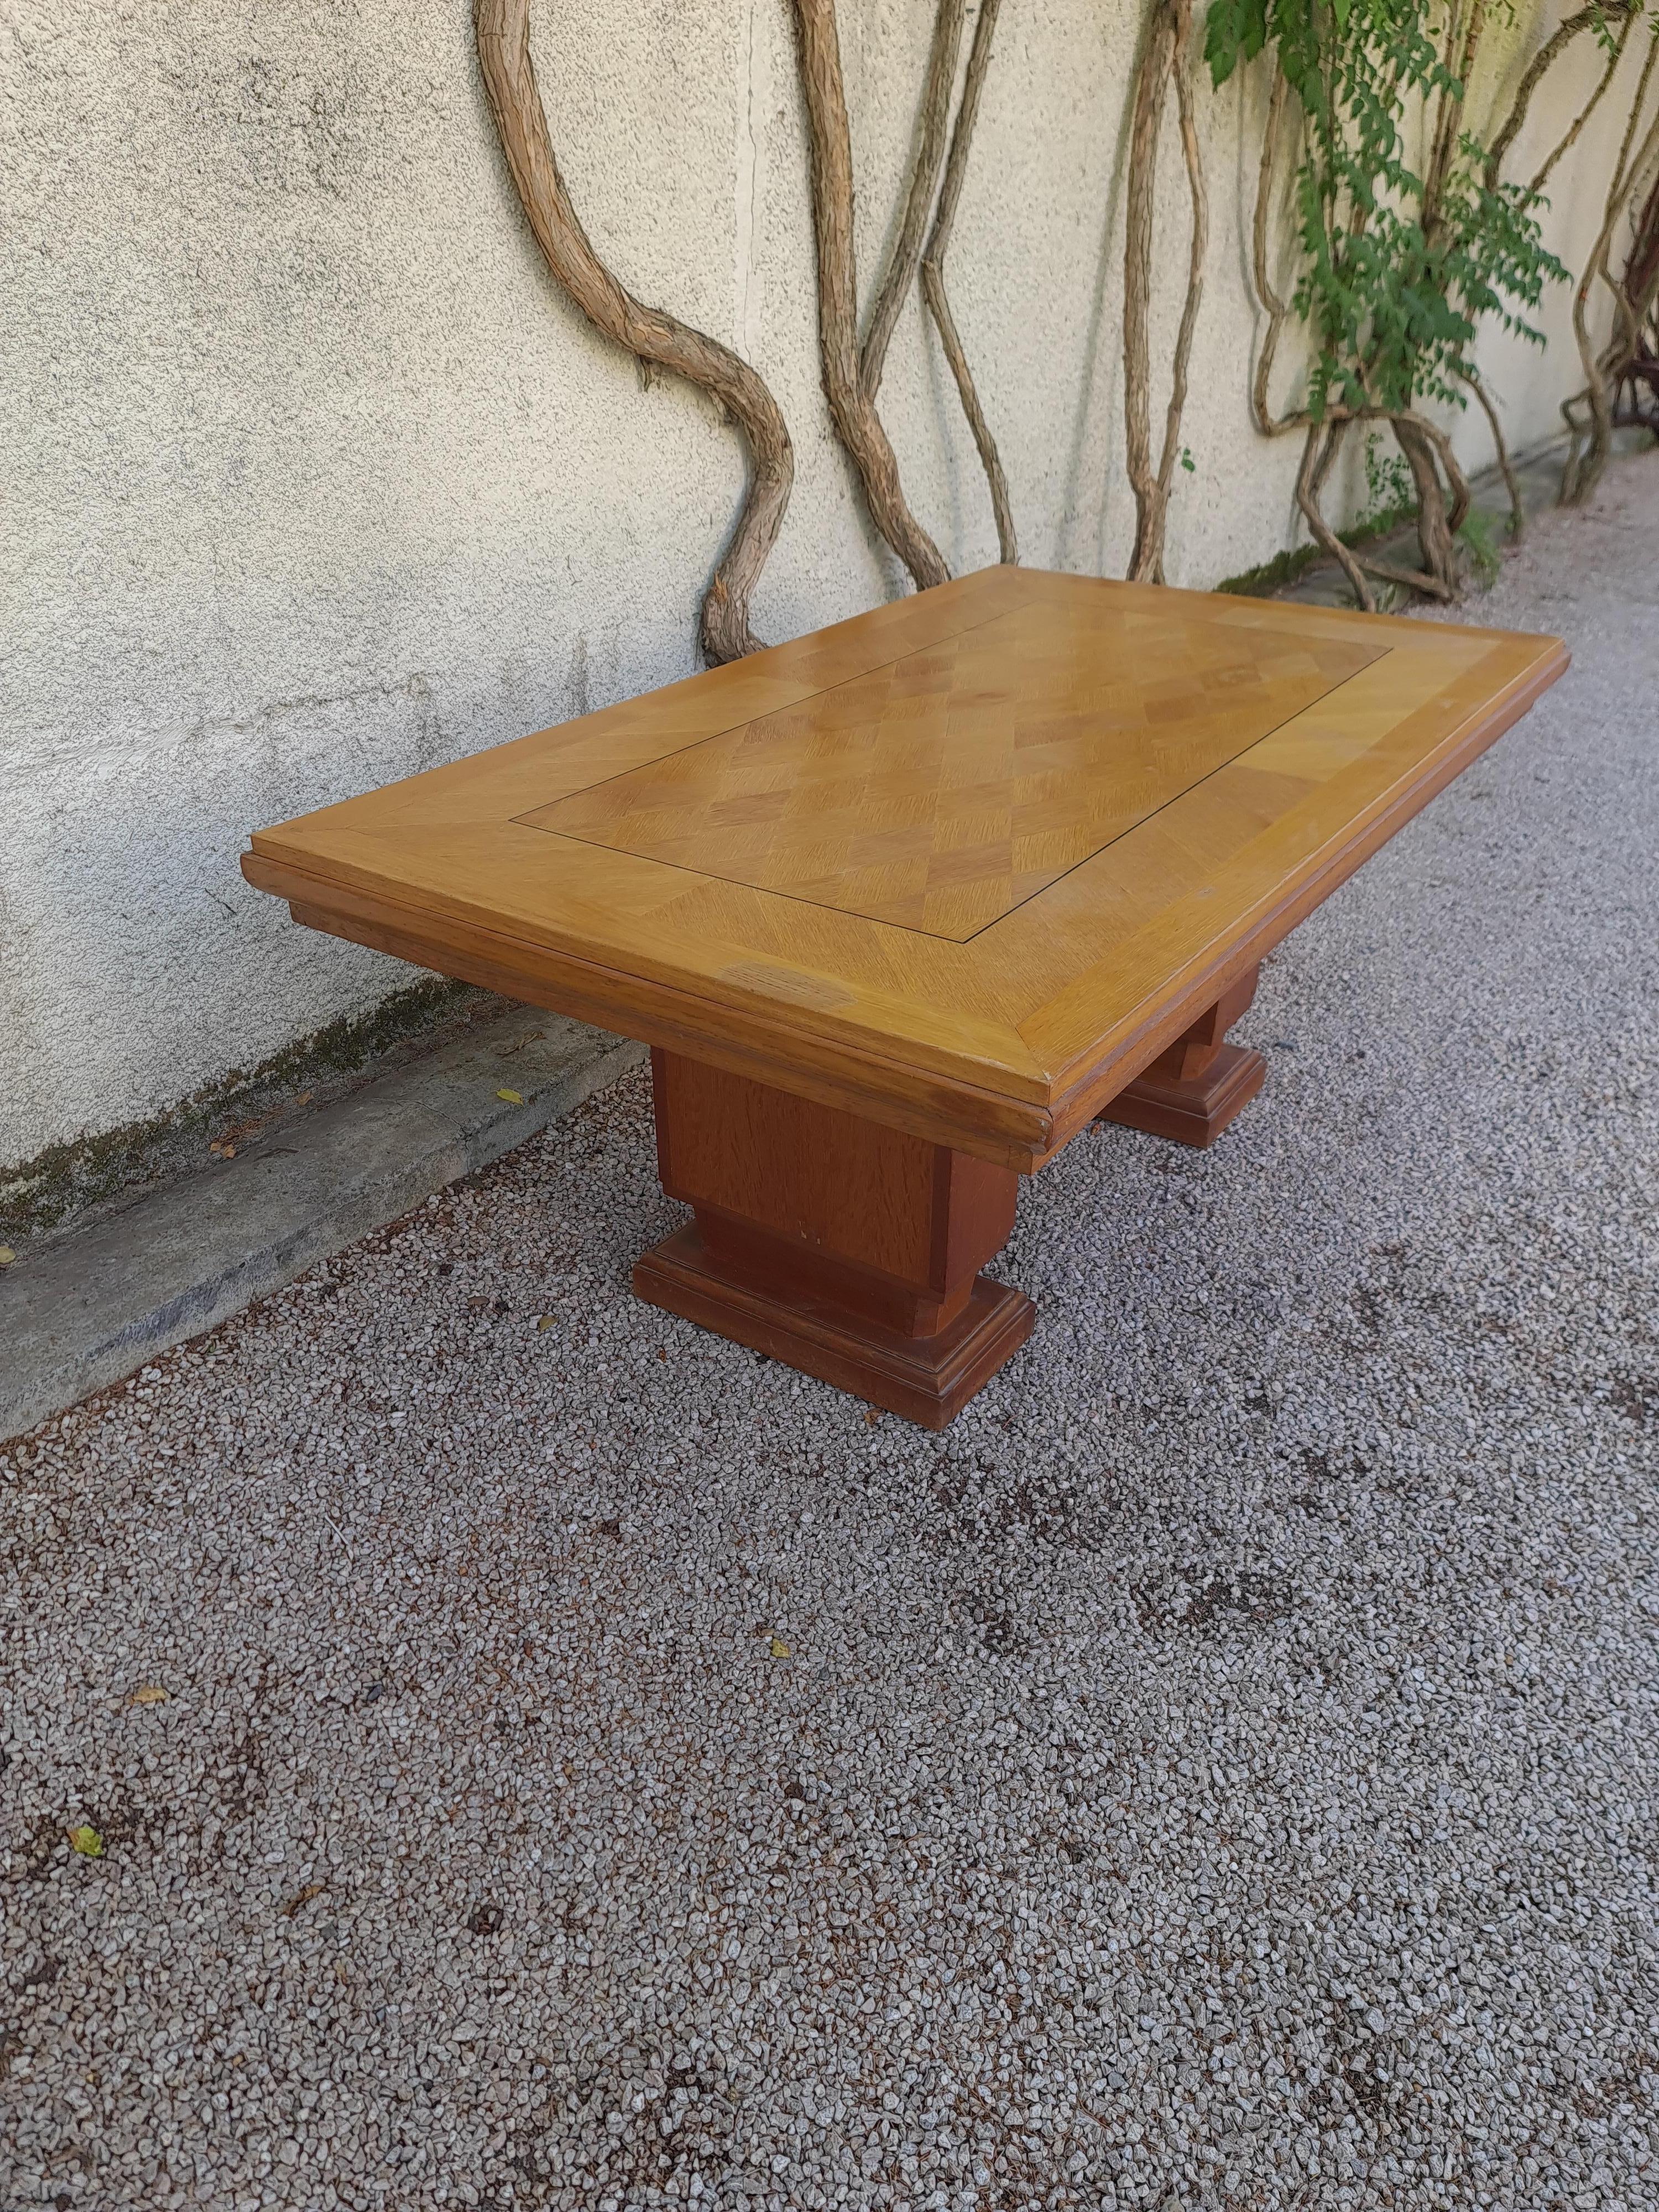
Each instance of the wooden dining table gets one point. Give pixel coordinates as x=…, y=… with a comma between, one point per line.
x=902, y=907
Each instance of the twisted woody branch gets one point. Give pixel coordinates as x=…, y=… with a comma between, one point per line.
x=852, y=375
x=852, y=399
x=1634, y=292
x=1166, y=59
x=932, y=280
x=655, y=338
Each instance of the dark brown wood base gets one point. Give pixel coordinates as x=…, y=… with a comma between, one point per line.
x=842, y=1248
x=1192, y=1092
x=927, y=1379
x=1191, y=1112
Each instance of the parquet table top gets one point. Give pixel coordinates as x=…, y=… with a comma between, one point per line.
x=965, y=863
x=944, y=789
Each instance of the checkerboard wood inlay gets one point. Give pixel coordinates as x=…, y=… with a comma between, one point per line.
x=940, y=790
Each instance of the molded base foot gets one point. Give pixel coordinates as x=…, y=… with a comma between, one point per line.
x=1192, y=1111
x=928, y=1380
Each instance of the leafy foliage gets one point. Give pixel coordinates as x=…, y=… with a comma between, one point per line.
x=1478, y=537
x=1397, y=270
x=1391, y=494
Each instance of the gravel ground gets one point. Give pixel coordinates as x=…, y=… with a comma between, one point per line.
x=600, y=1769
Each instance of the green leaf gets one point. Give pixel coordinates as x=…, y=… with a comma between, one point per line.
x=1235, y=31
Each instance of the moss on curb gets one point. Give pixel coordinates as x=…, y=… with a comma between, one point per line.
x=1292, y=565
x=88, y=1172
x=1286, y=568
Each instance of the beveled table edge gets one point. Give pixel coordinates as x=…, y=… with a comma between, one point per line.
x=994, y=1125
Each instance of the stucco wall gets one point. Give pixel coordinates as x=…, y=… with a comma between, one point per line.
x=314, y=478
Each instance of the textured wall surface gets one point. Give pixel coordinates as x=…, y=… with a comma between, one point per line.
x=314, y=478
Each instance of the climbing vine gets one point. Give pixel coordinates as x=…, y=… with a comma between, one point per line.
x=1633, y=286
x=1166, y=65
x=852, y=371
x=1397, y=265
x=655, y=338
x=1619, y=364
x=1406, y=236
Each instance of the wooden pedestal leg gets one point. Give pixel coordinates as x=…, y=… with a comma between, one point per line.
x=1192, y=1092
x=847, y=1249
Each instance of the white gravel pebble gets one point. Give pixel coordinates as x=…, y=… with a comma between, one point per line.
x=1219, y=1772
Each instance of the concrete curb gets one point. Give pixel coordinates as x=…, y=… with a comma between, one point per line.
x=84, y=1309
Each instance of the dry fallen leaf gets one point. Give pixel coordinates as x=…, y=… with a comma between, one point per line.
x=312, y=1889
x=779, y=1649
x=150, y=1693
x=512, y=1097
x=87, y=1841
x=546, y=1321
